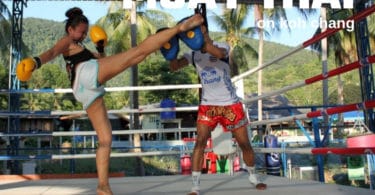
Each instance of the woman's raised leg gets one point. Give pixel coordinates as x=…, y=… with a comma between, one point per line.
x=112, y=65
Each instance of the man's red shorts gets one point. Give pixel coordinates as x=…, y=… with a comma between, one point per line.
x=231, y=117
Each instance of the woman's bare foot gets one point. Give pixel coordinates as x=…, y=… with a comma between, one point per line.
x=191, y=22
x=103, y=190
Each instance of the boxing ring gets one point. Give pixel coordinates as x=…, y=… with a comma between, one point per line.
x=294, y=186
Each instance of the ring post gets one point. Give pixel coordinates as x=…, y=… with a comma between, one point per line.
x=319, y=158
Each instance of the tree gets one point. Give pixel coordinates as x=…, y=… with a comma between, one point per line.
x=232, y=23
x=117, y=24
x=50, y=76
x=259, y=16
x=3, y=85
x=275, y=15
x=343, y=46
x=5, y=33
x=165, y=77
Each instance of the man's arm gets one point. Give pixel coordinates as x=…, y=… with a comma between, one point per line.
x=177, y=64
x=216, y=51
x=210, y=48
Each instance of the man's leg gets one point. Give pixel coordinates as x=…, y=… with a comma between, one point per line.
x=203, y=133
x=242, y=139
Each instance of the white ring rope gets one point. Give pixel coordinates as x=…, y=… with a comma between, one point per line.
x=320, y=77
x=93, y=133
x=249, y=72
x=153, y=110
x=82, y=112
x=334, y=72
x=107, y=89
x=148, y=110
x=275, y=92
x=279, y=120
x=128, y=154
x=314, y=151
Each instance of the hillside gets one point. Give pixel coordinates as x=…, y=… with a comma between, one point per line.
x=40, y=34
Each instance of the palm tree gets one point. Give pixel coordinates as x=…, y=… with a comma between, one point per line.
x=118, y=27
x=232, y=23
x=276, y=15
x=259, y=16
x=343, y=46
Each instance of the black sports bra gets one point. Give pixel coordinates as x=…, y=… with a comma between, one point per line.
x=73, y=60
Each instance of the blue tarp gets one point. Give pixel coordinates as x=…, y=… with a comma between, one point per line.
x=351, y=116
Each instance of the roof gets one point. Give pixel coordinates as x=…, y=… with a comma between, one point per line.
x=272, y=107
x=279, y=106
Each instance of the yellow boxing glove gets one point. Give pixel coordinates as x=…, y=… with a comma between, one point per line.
x=99, y=37
x=26, y=67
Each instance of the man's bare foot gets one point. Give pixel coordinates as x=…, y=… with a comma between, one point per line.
x=261, y=186
x=106, y=190
x=191, y=22
x=256, y=183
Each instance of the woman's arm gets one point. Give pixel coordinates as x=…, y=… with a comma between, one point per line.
x=60, y=47
x=26, y=66
x=98, y=55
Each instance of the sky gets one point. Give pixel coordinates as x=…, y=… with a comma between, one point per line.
x=55, y=10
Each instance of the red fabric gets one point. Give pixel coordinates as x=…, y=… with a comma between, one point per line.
x=230, y=117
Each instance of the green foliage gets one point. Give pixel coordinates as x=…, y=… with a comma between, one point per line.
x=159, y=69
x=161, y=165
x=5, y=33
x=351, y=93
x=39, y=35
x=4, y=85
x=159, y=18
x=48, y=76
